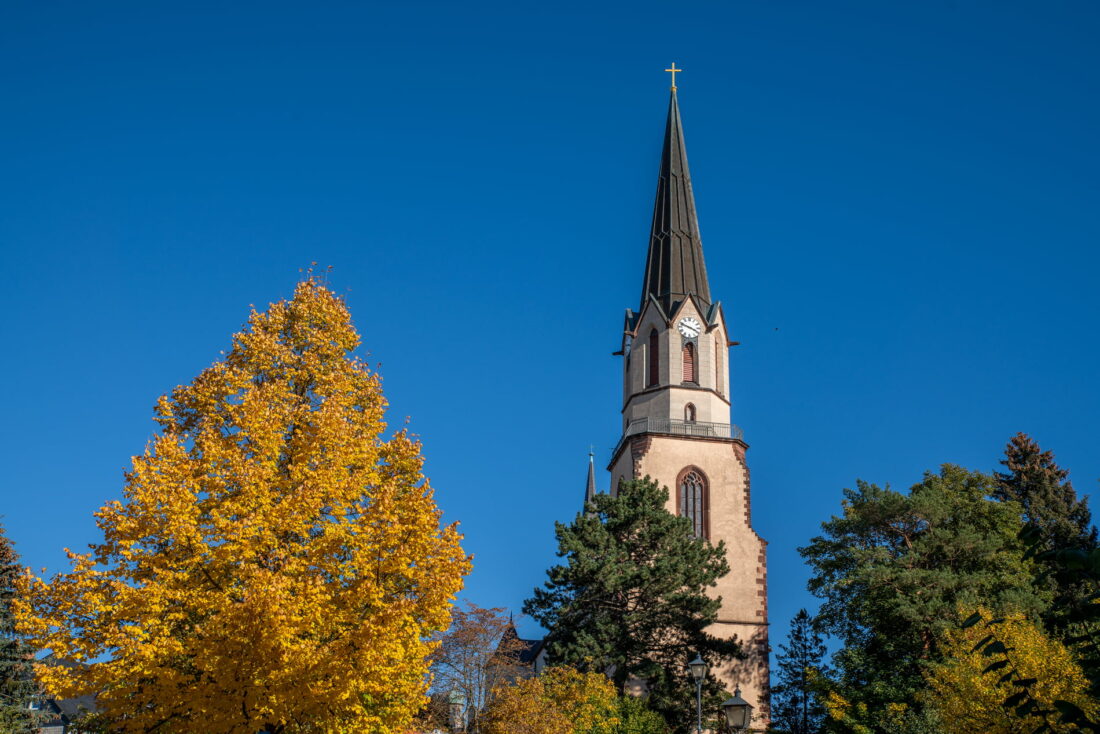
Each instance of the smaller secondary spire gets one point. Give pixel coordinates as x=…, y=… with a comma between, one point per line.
x=590, y=487
x=673, y=71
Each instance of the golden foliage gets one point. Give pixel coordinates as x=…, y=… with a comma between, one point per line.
x=560, y=701
x=971, y=702
x=276, y=563
x=846, y=713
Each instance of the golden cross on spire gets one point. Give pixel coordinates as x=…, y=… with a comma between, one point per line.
x=673, y=71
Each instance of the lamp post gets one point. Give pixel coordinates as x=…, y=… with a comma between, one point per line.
x=698, y=668
x=456, y=703
x=738, y=712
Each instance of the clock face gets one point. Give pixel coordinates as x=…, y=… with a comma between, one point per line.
x=690, y=327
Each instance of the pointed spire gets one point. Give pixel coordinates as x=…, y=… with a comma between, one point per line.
x=590, y=487
x=674, y=267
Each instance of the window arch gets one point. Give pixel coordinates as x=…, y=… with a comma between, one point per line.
x=654, y=358
x=692, y=500
x=689, y=362
x=689, y=413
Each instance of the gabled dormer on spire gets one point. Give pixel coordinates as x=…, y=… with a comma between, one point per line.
x=674, y=268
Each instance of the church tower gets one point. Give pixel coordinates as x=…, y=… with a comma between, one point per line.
x=676, y=415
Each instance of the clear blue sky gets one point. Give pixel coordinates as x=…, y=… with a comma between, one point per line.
x=899, y=207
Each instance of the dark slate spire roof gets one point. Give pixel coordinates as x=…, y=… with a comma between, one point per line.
x=590, y=488
x=674, y=267
x=523, y=651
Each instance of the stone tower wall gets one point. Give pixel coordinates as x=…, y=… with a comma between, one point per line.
x=744, y=610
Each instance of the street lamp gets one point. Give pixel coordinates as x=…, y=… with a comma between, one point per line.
x=456, y=702
x=738, y=711
x=698, y=668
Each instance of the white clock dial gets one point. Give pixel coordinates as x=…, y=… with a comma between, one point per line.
x=690, y=327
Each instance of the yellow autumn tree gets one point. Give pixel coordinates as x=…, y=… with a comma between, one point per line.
x=276, y=564
x=560, y=701
x=970, y=701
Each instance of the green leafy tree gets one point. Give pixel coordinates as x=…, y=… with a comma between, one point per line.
x=16, y=680
x=795, y=705
x=635, y=717
x=631, y=597
x=893, y=570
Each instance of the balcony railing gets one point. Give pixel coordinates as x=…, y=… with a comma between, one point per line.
x=683, y=428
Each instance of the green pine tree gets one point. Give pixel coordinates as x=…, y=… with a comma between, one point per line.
x=1060, y=519
x=795, y=705
x=894, y=569
x=1045, y=494
x=16, y=679
x=631, y=597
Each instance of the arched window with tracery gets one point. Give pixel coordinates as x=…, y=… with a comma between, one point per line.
x=689, y=362
x=654, y=358
x=692, y=491
x=689, y=413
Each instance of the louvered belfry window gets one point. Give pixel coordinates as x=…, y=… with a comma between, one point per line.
x=693, y=497
x=718, y=366
x=689, y=362
x=654, y=358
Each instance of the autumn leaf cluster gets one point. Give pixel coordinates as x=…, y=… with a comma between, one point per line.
x=982, y=666
x=562, y=700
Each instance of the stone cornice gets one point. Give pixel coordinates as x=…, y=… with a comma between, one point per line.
x=681, y=386
x=625, y=441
